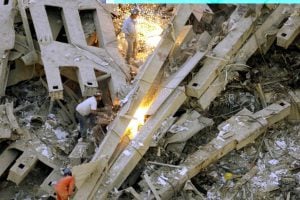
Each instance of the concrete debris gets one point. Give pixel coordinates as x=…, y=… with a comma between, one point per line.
x=290, y=29
x=10, y=128
x=189, y=124
x=244, y=133
x=80, y=152
x=208, y=110
x=7, y=40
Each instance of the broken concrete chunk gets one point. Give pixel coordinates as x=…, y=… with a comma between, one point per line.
x=160, y=133
x=75, y=52
x=7, y=40
x=8, y=121
x=22, y=167
x=187, y=126
x=79, y=153
x=294, y=117
x=221, y=54
x=258, y=39
x=7, y=158
x=139, y=145
x=290, y=29
x=214, y=150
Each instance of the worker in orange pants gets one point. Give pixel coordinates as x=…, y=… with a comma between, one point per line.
x=65, y=186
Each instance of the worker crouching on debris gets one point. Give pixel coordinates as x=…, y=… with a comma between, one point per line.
x=65, y=186
x=84, y=111
x=129, y=29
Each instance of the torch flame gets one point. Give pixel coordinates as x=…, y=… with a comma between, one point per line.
x=137, y=121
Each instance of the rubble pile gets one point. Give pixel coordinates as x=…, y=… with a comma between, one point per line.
x=151, y=22
x=211, y=113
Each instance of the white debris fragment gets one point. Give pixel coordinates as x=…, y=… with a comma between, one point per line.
x=273, y=162
x=125, y=100
x=259, y=182
x=178, y=128
x=241, y=123
x=226, y=128
x=281, y=144
x=220, y=136
x=48, y=126
x=126, y=153
x=137, y=144
x=274, y=178
x=161, y=181
x=213, y=195
x=45, y=151
x=77, y=59
x=141, y=144
x=163, y=177
x=183, y=171
x=60, y=134
x=261, y=166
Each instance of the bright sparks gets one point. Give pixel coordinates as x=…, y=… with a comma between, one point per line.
x=137, y=121
x=150, y=31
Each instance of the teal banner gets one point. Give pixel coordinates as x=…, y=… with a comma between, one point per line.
x=203, y=1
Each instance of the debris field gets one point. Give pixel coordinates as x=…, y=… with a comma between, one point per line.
x=209, y=110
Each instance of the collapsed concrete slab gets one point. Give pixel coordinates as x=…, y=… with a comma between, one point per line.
x=24, y=164
x=74, y=52
x=30, y=57
x=79, y=153
x=7, y=39
x=29, y=152
x=138, y=96
x=184, y=37
x=294, y=117
x=9, y=124
x=173, y=81
x=290, y=29
x=240, y=130
x=221, y=55
x=5, y=125
x=134, y=152
x=257, y=41
x=7, y=158
x=47, y=185
x=187, y=125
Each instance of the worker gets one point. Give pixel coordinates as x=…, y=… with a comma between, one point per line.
x=65, y=186
x=129, y=29
x=84, y=112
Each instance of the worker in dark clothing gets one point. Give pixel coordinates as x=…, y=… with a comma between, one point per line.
x=65, y=186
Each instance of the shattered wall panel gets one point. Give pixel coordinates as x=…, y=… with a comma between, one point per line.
x=74, y=50
x=7, y=40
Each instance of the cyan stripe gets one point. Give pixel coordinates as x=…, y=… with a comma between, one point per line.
x=205, y=1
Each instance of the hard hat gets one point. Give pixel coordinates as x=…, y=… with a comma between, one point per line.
x=67, y=172
x=135, y=11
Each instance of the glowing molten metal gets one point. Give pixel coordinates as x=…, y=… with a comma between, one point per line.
x=137, y=121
